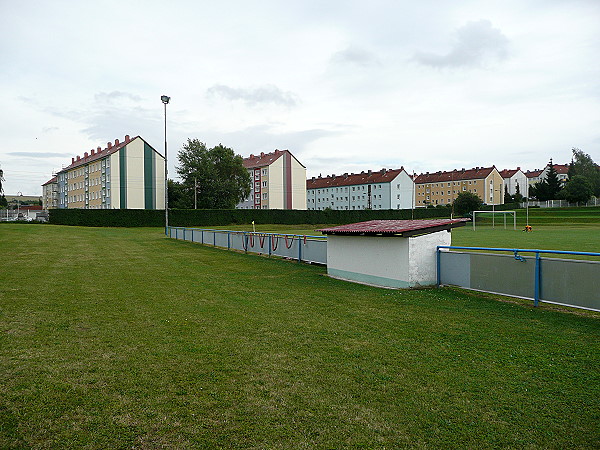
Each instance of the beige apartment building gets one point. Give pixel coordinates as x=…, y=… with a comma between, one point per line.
x=442, y=188
x=124, y=175
x=278, y=181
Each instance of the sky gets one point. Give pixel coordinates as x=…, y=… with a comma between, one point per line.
x=345, y=85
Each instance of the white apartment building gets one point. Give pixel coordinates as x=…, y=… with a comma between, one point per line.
x=385, y=189
x=513, y=178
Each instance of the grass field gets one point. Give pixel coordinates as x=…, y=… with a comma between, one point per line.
x=569, y=229
x=121, y=338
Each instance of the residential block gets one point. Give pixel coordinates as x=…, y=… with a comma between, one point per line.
x=278, y=181
x=442, y=188
x=384, y=189
x=124, y=175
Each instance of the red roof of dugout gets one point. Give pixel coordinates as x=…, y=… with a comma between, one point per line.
x=403, y=228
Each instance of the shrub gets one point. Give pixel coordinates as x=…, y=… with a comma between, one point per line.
x=222, y=217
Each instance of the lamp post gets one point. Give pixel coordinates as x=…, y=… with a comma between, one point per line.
x=165, y=101
x=20, y=194
x=494, y=206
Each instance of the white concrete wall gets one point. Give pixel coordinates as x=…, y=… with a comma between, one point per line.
x=374, y=256
x=406, y=191
x=423, y=258
x=135, y=174
x=386, y=261
x=159, y=170
x=115, y=181
x=275, y=184
x=298, y=185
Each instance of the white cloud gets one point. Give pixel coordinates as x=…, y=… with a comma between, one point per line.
x=267, y=94
x=39, y=154
x=475, y=44
x=354, y=55
x=116, y=96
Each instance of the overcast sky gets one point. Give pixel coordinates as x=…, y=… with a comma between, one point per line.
x=344, y=85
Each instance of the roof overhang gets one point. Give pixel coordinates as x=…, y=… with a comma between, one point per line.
x=399, y=228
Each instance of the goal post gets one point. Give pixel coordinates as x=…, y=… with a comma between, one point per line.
x=493, y=214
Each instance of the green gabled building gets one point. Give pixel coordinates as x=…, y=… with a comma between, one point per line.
x=124, y=175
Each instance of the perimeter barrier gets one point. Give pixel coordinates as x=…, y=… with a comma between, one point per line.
x=568, y=282
x=310, y=249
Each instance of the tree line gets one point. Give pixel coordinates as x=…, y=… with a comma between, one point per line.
x=583, y=181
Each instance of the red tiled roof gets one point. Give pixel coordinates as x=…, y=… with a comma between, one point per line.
x=266, y=159
x=507, y=173
x=382, y=176
x=262, y=160
x=395, y=227
x=99, y=153
x=533, y=173
x=455, y=175
x=561, y=168
x=50, y=181
x=31, y=207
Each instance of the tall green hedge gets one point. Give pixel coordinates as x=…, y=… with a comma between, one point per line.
x=108, y=217
x=221, y=217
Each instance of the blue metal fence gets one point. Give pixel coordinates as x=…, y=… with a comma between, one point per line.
x=312, y=249
x=569, y=282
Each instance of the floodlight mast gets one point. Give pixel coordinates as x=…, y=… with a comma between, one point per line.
x=165, y=99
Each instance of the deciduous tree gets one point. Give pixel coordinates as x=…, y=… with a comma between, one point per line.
x=578, y=189
x=179, y=196
x=583, y=164
x=217, y=174
x=466, y=202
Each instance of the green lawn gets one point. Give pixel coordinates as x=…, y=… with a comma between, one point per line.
x=121, y=338
x=569, y=229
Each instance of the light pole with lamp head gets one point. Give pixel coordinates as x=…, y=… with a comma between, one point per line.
x=20, y=194
x=165, y=101
x=494, y=206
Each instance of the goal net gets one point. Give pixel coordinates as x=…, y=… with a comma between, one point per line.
x=495, y=218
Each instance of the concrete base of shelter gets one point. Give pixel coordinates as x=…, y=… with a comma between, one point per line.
x=376, y=281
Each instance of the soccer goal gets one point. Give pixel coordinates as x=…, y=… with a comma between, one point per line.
x=493, y=214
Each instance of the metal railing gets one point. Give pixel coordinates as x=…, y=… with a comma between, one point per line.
x=568, y=282
x=594, y=201
x=311, y=249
